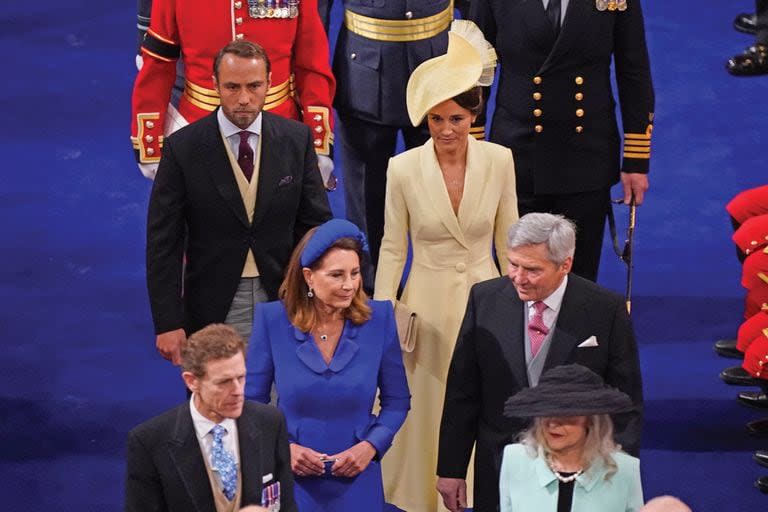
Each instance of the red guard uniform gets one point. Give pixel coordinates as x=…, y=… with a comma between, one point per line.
x=289, y=30
x=756, y=358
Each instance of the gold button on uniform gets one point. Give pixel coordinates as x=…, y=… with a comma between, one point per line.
x=318, y=142
x=537, y=96
x=238, y=21
x=318, y=129
x=408, y=15
x=579, y=112
x=537, y=80
x=238, y=4
x=149, y=139
x=538, y=128
x=318, y=117
x=239, y=37
x=579, y=80
x=149, y=124
x=537, y=112
x=150, y=151
x=579, y=129
x=579, y=96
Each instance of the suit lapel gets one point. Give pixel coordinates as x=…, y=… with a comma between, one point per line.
x=250, y=458
x=570, y=324
x=511, y=333
x=214, y=159
x=574, y=23
x=269, y=167
x=434, y=187
x=186, y=454
x=475, y=183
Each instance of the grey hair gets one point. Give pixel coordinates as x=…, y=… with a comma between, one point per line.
x=557, y=232
x=599, y=442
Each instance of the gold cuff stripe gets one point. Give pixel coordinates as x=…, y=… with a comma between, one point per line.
x=163, y=39
x=398, y=30
x=644, y=156
x=325, y=148
x=158, y=57
x=637, y=136
x=140, y=120
x=634, y=142
x=763, y=276
x=634, y=149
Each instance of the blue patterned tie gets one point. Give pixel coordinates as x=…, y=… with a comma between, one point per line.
x=223, y=463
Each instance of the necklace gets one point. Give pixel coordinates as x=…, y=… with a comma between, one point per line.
x=559, y=475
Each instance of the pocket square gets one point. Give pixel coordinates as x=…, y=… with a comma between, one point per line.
x=285, y=180
x=589, y=342
x=266, y=478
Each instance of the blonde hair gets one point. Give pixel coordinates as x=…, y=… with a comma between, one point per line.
x=293, y=290
x=599, y=443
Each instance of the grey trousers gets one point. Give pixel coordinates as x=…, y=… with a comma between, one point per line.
x=240, y=315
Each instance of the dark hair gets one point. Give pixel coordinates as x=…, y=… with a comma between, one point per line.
x=244, y=49
x=471, y=100
x=211, y=343
x=293, y=290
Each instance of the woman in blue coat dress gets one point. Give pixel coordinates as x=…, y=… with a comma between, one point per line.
x=328, y=350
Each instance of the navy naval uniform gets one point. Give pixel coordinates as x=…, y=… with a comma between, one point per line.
x=379, y=44
x=556, y=110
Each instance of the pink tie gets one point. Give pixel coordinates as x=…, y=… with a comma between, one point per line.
x=537, y=330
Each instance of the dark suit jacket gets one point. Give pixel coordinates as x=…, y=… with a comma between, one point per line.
x=195, y=195
x=559, y=159
x=166, y=471
x=488, y=366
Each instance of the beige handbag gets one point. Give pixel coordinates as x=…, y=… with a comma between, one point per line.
x=406, y=320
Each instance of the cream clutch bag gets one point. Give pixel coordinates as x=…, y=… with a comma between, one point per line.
x=406, y=320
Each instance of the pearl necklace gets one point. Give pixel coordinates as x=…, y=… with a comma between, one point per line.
x=559, y=476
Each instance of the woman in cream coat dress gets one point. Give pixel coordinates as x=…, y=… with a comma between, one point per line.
x=455, y=197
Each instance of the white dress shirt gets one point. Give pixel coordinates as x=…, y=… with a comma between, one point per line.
x=203, y=428
x=231, y=132
x=553, y=302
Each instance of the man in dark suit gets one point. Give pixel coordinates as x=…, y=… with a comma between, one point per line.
x=234, y=192
x=216, y=452
x=515, y=328
x=555, y=107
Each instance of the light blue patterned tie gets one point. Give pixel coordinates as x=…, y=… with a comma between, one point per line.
x=223, y=463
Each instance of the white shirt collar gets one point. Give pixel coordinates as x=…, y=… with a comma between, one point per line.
x=228, y=128
x=555, y=299
x=203, y=425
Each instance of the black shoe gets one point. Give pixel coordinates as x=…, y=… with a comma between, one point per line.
x=754, y=61
x=758, y=428
x=756, y=399
x=745, y=23
x=727, y=348
x=761, y=457
x=738, y=376
x=762, y=484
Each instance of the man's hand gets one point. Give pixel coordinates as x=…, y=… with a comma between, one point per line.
x=306, y=461
x=454, y=493
x=634, y=183
x=169, y=345
x=353, y=461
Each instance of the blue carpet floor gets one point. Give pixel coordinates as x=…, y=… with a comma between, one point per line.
x=78, y=367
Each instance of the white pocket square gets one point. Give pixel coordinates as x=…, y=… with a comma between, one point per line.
x=589, y=342
x=266, y=478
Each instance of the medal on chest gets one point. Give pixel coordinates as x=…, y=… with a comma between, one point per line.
x=611, y=5
x=280, y=9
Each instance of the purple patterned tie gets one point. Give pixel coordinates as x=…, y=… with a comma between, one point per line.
x=537, y=329
x=245, y=155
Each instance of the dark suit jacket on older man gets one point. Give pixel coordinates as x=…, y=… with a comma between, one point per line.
x=166, y=471
x=196, y=209
x=488, y=366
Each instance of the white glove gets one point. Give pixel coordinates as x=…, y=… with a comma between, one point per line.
x=139, y=62
x=326, y=172
x=148, y=170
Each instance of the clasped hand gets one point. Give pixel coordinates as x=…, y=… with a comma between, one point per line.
x=349, y=463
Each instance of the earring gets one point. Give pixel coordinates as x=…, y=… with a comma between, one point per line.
x=310, y=293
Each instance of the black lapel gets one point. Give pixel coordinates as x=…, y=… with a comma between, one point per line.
x=574, y=24
x=570, y=324
x=511, y=334
x=535, y=18
x=250, y=457
x=213, y=158
x=269, y=166
x=185, y=452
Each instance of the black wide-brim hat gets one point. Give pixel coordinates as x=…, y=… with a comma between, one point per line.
x=568, y=390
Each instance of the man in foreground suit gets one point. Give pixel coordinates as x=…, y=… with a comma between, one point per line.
x=515, y=328
x=234, y=192
x=216, y=452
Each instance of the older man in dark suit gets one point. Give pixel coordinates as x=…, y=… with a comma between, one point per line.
x=516, y=327
x=235, y=191
x=216, y=452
